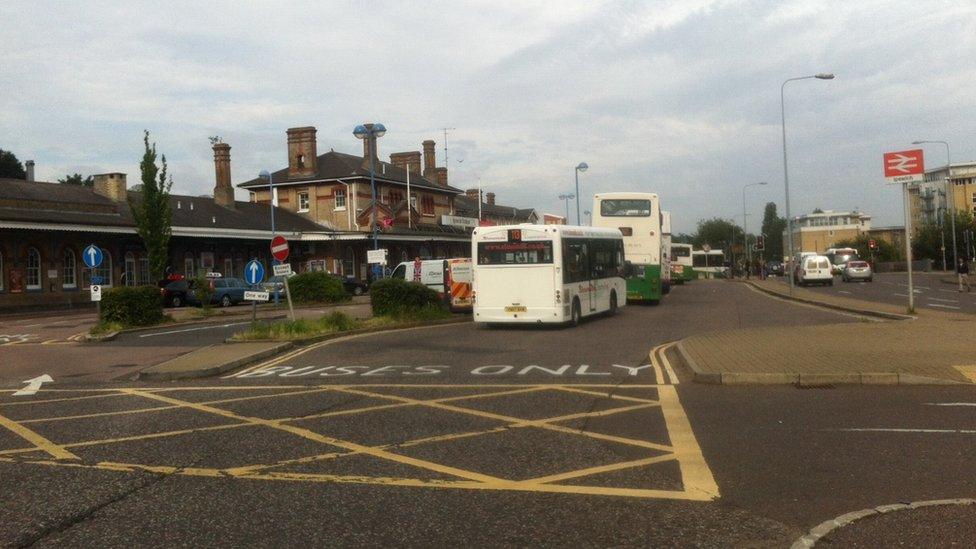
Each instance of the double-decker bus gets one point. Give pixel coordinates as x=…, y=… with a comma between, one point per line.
x=546, y=273
x=682, y=269
x=711, y=262
x=638, y=218
x=839, y=257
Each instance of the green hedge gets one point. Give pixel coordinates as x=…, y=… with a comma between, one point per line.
x=132, y=306
x=317, y=287
x=394, y=296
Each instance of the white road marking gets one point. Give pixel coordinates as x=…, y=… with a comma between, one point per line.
x=843, y=292
x=928, y=431
x=940, y=299
x=901, y=295
x=195, y=329
x=950, y=291
x=943, y=306
x=950, y=403
x=33, y=385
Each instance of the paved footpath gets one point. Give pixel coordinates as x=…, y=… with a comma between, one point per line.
x=934, y=345
x=460, y=435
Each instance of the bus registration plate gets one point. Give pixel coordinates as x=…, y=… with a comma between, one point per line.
x=515, y=309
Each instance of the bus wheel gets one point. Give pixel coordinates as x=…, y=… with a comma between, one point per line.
x=577, y=315
x=613, y=303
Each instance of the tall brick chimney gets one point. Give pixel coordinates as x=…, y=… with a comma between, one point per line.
x=29, y=168
x=302, y=152
x=490, y=198
x=430, y=161
x=369, y=149
x=111, y=186
x=441, y=176
x=223, y=190
x=409, y=161
x=471, y=193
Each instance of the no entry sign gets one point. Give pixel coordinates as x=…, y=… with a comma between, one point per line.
x=279, y=248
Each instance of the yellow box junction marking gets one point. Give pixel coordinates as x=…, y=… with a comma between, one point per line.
x=697, y=480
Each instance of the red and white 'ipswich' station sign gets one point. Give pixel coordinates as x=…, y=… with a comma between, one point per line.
x=279, y=248
x=904, y=167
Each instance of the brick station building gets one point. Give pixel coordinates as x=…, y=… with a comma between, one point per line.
x=323, y=206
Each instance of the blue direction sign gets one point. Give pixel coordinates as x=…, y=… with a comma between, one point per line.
x=254, y=272
x=92, y=256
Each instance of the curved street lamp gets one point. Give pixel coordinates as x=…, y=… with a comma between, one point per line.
x=566, y=198
x=581, y=167
x=370, y=132
x=951, y=200
x=786, y=173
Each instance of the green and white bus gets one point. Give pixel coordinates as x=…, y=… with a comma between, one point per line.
x=682, y=268
x=709, y=262
x=638, y=218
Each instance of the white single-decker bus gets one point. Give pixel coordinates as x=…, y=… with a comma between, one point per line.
x=546, y=273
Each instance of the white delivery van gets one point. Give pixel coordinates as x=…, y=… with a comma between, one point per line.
x=815, y=269
x=450, y=278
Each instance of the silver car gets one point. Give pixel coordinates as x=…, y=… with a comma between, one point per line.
x=858, y=270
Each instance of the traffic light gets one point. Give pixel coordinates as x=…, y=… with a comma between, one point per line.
x=760, y=243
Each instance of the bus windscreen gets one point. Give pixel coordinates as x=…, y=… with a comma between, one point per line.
x=625, y=207
x=515, y=253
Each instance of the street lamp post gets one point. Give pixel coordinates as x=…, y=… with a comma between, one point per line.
x=371, y=132
x=566, y=198
x=951, y=202
x=271, y=200
x=745, y=231
x=581, y=167
x=786, y=173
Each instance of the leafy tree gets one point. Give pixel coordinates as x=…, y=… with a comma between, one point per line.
x=773, y=226
x=927, y=240
x=683, y=238
x=10, y=166
x=77, y=179
x=152, y=212
x=718, y=233
x=885, y=251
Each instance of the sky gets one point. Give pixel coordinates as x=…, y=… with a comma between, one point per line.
x=679, y=98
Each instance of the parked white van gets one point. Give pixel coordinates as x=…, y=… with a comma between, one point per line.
x=814, y=269
x=451, y=278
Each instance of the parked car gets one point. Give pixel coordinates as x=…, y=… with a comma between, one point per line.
x=774, y=268
x=177, y=293
x=275, y=284
x=814, y=269
x=858, y=270
x=228, y=291
x=353, y=285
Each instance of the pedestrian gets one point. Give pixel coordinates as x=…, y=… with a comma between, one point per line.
x=963, y=270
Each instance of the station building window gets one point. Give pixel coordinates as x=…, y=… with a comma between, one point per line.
x=129, y=274
x=144, y=270
x=69, y=279
x=33, y=269
x=340, y=199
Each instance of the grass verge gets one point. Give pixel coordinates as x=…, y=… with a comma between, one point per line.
x=336, y=322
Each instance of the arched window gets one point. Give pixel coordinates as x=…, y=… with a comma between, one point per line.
x=144, y=270
x=33, y=269
x=129, y=275
x=349, y=262
x=188, y=269
x=69, y=279
x=103, y=272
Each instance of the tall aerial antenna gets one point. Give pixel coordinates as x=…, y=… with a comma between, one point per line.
x=445, y=143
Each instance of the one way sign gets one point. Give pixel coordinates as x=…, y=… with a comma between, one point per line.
x=904, y=167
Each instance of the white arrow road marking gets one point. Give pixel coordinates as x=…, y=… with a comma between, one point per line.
x=34, y=385
x=943, y=306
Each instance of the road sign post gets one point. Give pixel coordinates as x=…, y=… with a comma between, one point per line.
x=279, y=250
x=905, y=168
x=253, y=275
